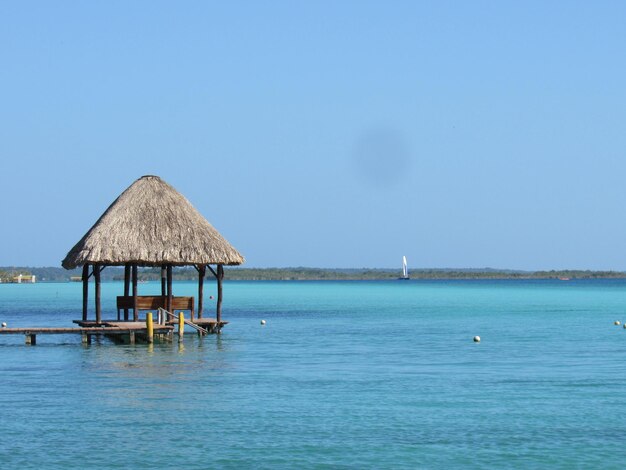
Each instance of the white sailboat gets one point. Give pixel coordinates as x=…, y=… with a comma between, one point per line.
x=405, y=270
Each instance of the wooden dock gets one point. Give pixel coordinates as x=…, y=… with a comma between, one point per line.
x=118, y=330
x=115, y=330
x=211, y=325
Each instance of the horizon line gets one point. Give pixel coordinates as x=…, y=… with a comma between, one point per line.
x=481, y=269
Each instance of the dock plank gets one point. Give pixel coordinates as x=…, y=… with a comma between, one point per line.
x=105, y=330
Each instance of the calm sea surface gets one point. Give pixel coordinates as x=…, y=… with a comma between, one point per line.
x=343, y=375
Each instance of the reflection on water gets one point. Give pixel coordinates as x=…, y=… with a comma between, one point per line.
x=141, y=376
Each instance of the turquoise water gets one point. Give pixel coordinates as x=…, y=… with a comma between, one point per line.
x=344, y=375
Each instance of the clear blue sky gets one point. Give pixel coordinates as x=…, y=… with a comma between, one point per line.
x=331, y=134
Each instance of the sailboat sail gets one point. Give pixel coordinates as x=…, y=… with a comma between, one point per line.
x=405, y=270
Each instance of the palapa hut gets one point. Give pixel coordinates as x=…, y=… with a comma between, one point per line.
x=151, y=224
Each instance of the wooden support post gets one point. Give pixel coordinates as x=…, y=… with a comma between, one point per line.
x=30, y=339
x=131, y=337
x=126, y=287
x=96, y=273
x=85, y=290
x=201, y=274
x=169, y=287
x=181, y=325
x=135, y=311
x=86, y=338
x=149, y=327
x=163, y=280
x=220, y=278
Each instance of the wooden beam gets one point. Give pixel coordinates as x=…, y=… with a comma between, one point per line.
x=220, y=278
x=134, y=275
x=126, y=286
x=85, y=290
x=169, y=288
x=212, y=270
x=96, y=273
x=201, y=273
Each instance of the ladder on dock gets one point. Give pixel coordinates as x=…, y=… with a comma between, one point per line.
x=163, y=314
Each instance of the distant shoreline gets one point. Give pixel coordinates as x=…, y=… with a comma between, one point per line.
x=114, y=273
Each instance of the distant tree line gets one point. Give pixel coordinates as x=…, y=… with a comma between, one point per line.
x=387, y=274
x=116, y=273
x=8, y=274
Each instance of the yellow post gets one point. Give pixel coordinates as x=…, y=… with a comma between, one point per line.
x=181, y=324
x=150, y=327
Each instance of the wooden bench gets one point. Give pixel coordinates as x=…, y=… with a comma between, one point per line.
x=153, y=302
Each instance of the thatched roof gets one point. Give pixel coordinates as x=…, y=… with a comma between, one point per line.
x=151, y=224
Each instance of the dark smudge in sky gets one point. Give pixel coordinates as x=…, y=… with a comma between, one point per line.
x=382, y=157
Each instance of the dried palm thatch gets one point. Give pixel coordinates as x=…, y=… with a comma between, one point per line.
x=151, y=224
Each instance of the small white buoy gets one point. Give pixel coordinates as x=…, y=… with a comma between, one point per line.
x=617, y=322
x=262, y=322
x=4, y=324
x=476, y=339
